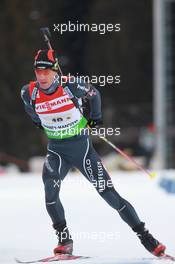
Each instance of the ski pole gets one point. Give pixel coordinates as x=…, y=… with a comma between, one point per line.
x=45, y=32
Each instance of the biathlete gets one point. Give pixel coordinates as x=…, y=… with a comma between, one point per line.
x=53, y=108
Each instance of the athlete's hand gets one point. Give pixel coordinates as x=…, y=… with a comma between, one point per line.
x=95, y=123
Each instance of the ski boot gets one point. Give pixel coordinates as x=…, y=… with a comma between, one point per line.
x=148, y=241
x=65, y=242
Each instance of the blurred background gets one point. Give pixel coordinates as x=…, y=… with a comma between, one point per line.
x=142, y=53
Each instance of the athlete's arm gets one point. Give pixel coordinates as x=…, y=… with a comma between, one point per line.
x=28, y=107
x=81, y=89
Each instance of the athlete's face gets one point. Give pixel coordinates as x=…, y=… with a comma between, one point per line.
x=45, y=77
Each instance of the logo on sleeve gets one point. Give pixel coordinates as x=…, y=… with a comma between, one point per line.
x=83, y=88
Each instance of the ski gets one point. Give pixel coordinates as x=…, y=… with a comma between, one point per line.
x=163, y=256
x=63, y=257
x=167, y=257
x=57, y=257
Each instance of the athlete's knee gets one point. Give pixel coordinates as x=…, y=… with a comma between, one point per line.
x=112, y=197
x=103, y=185
x=105, y=191
x=51, y=166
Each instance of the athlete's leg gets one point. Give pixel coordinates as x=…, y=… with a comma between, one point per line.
x=54, y=170
x=92, y=168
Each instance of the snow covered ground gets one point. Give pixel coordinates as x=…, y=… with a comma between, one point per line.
x=98, y=231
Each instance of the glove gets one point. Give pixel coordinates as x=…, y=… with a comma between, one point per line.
x=95, y=123
x=38, y=125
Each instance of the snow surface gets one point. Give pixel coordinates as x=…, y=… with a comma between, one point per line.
x=26, y=232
